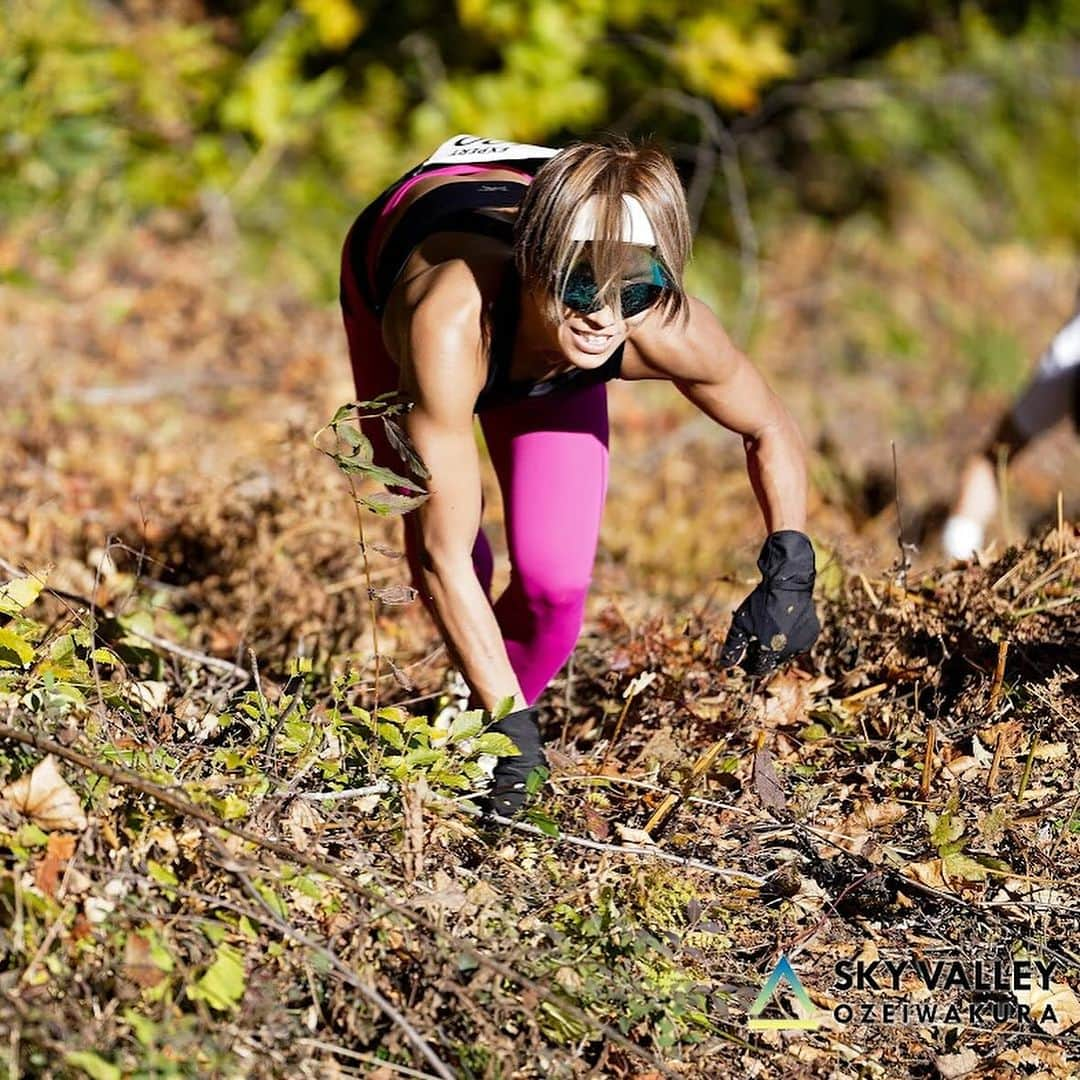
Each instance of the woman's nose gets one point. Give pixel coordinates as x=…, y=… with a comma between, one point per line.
x=602, y=319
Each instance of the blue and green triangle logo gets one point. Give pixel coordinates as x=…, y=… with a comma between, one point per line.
x=784, y=971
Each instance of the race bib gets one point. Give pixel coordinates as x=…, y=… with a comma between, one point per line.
x=470, y=149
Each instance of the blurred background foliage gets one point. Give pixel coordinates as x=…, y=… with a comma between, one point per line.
x=274, y=121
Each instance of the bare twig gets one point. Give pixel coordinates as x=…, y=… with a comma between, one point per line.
x=1026, y=775
x=899, y=522
x=372, y=610
x=379, y=788
x=369, y=1059
x=999, y=675
x=720, y=138
x=412, y=808
x=995, y=763
x=928, y=761
x=737, y=876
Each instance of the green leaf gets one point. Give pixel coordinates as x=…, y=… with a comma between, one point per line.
x=388, y=504
x=62, y=650
x=391, y=734
x=536, y=779
x=95, y=1067
x=466, y=725
x=161, y=874
x=397, y=438
x=360, y=443
x=273, y=901
x=504, y=708
x=418, y=725
x=957, y=864
x=494, y=742
x=19, y=594
x=542, y=822
x=222, y=985
x=145, y=1029
x=944, y=829
x=422, y=756
x=11, y=643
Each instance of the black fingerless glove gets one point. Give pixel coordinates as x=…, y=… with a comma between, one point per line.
x=507, y=793
x=777, y=620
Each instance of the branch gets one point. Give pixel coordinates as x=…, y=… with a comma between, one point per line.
x=185, y=806
x=632, y=849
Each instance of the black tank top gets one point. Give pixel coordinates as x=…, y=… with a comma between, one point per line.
x=458, y=207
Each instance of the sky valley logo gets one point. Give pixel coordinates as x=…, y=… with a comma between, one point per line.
x=997, y=976
x=785, y=972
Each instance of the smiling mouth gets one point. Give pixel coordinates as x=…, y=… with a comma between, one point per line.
x=591, y=343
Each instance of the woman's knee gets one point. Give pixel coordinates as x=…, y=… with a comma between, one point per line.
x=556, y=607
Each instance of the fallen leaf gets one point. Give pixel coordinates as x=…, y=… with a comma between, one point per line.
x=139, y=965
x=47, y=873
x=597, y=825
x=1037, y=1054
x=634, y=836
x=394, y=594
x=953, y=1065
x=867, y=816
x=150, y=696
x=766, y=782
x=1061, y=999
x=787, y=701
x=44, y=796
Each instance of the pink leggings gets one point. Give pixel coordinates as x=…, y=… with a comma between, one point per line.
x=551, y=459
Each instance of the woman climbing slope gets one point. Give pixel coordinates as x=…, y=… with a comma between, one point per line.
x=513, y=282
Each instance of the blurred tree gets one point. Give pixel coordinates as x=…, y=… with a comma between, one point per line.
x=286, y=115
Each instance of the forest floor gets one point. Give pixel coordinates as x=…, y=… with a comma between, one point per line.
x=187, y=893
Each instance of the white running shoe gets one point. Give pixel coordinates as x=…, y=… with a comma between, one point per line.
x=962, y=537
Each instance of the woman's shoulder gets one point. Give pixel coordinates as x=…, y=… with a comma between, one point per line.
x=453, y=279
x=435, y=323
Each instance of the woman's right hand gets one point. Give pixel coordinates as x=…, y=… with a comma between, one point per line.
x=442, y=373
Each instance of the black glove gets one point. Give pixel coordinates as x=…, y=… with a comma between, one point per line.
x=507, y=792
x=777, y=620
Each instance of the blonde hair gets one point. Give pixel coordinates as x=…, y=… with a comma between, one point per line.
x=544, y=253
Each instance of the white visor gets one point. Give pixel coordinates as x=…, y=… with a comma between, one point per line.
x=635, y=225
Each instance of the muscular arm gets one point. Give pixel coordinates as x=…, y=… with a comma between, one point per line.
x=700, y=359
x=441, y=373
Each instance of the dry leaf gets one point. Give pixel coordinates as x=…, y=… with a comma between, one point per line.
x=929, y=873
x=300, y=819
x=867, y=816
x=1038, y=1054
x=45, y=798
x=954, y=1065
x=47, y=873
x=1060, y=998
x=634, y=836
x=139, y=966
x=394, y=594
x=766, y=782
x=787, y=701
x=597, y=825
x=150, y=696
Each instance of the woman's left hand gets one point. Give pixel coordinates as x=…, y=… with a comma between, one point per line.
x=777, y=620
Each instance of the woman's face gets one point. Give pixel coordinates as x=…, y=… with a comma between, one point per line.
x=588, y=338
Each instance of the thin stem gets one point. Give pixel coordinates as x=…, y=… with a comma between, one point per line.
x=376, y=755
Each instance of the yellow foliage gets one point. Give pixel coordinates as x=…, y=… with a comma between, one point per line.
x=337, y=22
x=728, y=63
